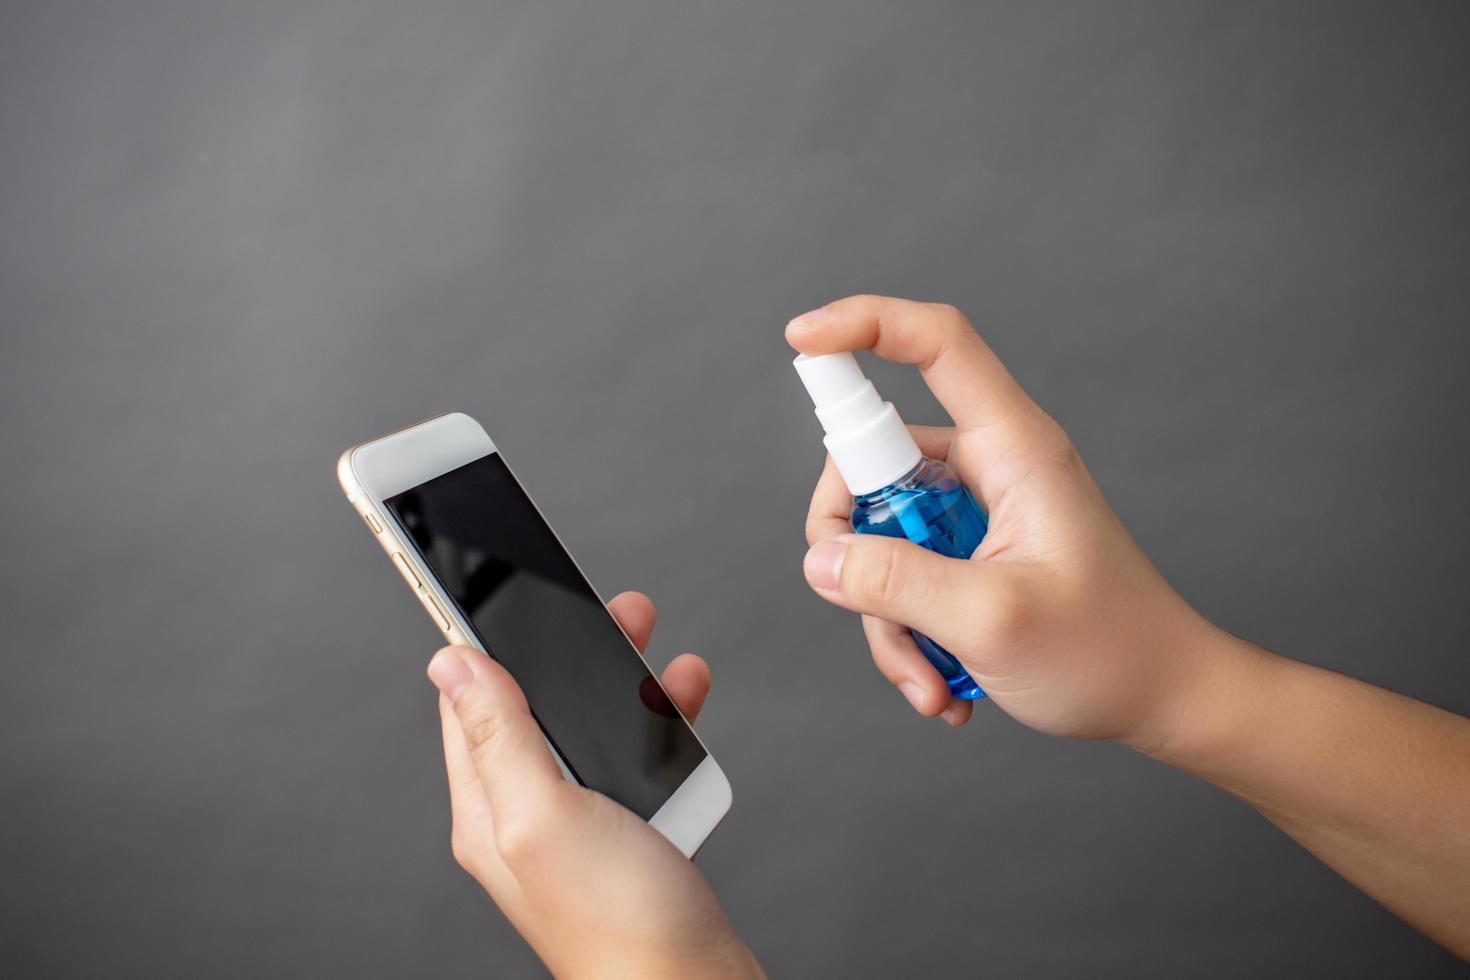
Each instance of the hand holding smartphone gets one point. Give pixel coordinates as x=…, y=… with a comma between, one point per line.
x=492, y=574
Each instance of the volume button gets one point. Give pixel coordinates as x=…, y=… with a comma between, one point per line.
x=432, y=604
x=407, y=570
x=372, y=522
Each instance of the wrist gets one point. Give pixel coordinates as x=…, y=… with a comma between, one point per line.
x=730, y=960
x=1207, y=700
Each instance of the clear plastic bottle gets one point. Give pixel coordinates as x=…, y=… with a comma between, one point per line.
x=931, y=507
x=897, y=491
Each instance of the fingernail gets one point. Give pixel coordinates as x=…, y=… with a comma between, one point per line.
x=449, y=673
x=808, y=320
x=915, y=694
x=951, y=715
x=823, y=563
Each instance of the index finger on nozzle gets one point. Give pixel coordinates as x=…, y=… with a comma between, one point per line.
x=963, y=372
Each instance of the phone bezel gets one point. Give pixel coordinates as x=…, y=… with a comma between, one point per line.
x=374, y=471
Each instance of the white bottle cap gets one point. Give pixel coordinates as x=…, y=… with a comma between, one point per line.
x=868, y=441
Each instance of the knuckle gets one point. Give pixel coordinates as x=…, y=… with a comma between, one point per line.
x=952, y=332
x=813, y=526
x=521, y=841
x=951, y=314
x=466, y=854
x=480, y=729
x=957, y=327
x=1068, y=457
x=1056, y=442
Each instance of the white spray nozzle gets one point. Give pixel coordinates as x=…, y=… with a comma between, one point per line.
x=868, y=441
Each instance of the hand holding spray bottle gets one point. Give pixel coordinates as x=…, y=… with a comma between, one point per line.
x=897, y=491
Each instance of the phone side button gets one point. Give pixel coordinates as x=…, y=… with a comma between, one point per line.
x=372, y=522
x=407, y=570
x=436, y=610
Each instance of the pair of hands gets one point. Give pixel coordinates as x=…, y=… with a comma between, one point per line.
x=1058, y=616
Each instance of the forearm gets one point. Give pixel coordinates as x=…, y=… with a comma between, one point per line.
x=1374, y=784
x=733, y=961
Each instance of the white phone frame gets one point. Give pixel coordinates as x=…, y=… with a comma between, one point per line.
x=384, y=467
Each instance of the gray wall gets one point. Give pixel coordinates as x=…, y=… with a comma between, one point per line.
x=1225, y=245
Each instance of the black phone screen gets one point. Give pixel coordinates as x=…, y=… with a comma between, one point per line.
x=536, y=614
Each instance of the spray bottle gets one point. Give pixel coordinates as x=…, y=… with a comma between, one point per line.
x=897, y=491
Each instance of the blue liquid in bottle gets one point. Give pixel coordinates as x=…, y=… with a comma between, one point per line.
x=931, y=507
x=897, y=491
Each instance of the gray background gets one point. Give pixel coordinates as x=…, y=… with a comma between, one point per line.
x=1225, y=246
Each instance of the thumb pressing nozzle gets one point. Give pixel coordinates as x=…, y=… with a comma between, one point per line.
x=868, y=441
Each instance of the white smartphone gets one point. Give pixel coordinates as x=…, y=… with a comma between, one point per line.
x=492, y=574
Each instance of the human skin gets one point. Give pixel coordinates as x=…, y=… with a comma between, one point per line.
x=1058, y=616
x=1070, y=630
x=594, y=889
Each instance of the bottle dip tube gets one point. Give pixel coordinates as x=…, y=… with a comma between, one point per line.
x=897, y=491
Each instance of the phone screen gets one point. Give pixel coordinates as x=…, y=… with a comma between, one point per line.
x=535, y=613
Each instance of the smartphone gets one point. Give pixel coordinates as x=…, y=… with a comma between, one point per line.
x=492, y=574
